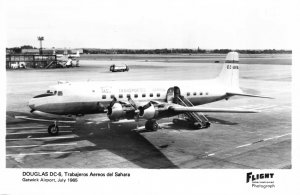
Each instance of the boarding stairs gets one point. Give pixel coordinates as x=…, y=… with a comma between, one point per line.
x=52, y=64
x=196, y=119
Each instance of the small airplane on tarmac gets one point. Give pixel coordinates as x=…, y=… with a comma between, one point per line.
x=67, y=60
x=148, y=100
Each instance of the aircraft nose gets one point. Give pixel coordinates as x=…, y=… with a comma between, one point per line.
x=31, y=104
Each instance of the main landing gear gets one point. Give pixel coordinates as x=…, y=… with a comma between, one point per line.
x=53, y=129
x=151, y=125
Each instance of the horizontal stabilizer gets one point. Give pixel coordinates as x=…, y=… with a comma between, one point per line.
x=183, y=109
x=248, y=95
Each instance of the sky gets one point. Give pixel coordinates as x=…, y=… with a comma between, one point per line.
x=138, y=24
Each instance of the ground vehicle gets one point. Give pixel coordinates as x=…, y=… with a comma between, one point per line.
x=18, y=65
x=119, y=68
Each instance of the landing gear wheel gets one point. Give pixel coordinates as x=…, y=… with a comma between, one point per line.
x=176, y=121
x=151, y=125
x=196, y=125
x=53, y=130
x=207, y=124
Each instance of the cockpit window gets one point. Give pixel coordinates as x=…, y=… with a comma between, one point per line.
x=51, y=92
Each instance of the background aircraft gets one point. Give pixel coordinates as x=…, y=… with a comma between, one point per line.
x=67, y=60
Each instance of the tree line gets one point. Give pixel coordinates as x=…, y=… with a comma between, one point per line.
x=18, y=50
x=183, y=51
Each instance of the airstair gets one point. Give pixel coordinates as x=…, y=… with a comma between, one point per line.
x=196, y=119
x=52, y=64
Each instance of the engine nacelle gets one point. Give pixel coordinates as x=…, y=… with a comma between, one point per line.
x=148, y=113
x=120, y=111
x=116, y=112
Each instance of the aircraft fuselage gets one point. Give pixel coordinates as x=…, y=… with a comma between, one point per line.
x=94, y=97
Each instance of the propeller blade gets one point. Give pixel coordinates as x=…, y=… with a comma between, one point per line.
x=132, y=103
x=147, y=106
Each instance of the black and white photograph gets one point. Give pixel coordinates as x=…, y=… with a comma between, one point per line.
x=148, y=90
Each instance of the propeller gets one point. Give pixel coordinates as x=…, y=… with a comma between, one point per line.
x=112, y=103
x=139, y=111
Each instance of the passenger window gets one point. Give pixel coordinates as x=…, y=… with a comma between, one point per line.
x=158, y=94
x=120, y=96
x=143, y=95
x=112, y=96
x=60, y=93
x=128, y=96
x=200, y=93
x=151, y=95
x=194, y=93
x=103, y=96
x=206, y=93
x=136, y=95
x=188, y=94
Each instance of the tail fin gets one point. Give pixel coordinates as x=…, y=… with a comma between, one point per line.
x=229, y=75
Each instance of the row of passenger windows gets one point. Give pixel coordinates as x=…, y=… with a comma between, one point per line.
x=144, y=95
x=195, y=93
x=128, y=95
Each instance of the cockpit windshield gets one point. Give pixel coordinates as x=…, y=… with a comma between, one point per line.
x=51, y=92
x=48, y=93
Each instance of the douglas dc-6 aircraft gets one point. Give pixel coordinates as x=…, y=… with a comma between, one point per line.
x=148, y=100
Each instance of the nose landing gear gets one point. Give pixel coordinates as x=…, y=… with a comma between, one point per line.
x=53, y=129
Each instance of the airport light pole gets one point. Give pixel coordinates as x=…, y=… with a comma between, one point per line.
x=41, y=48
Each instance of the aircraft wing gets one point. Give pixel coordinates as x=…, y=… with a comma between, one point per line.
x=182, y=109
x=248, y=95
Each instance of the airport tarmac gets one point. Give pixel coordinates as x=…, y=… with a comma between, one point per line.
x=257, y=141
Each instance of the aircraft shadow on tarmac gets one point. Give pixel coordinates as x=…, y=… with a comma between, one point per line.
x=120, y=139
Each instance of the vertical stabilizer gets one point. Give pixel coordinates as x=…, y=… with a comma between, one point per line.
x=229, y=75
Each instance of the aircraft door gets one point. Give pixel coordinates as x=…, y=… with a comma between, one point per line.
x=170, y=95
x=176, y=94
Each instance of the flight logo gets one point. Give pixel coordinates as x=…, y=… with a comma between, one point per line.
x=261, y=180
